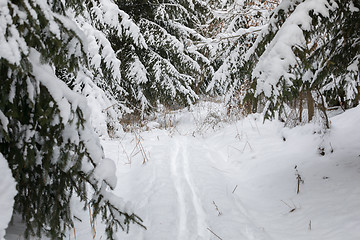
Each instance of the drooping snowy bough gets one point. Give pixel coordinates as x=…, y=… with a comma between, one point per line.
x=45, y=135
x=307, y=54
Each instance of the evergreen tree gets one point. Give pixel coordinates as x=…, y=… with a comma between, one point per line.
x=106, y=29
x=51, y=149
x=296, y=54
x=168, y=71
x=235, y=29
x=335, y=65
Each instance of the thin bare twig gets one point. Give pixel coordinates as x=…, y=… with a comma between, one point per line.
x=257, y=128
x=299, y=179
x=127, y=156
x=141, y=148
x=247, y=143
x=214, y=234
x=236, y=148
x=292, y=209
x=235, y=188
x=104, y=110
x=217, y=209
x=286, y=204
x=92, y=224
x=225, y=38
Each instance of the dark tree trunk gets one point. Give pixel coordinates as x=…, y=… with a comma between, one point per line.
x=310, y=103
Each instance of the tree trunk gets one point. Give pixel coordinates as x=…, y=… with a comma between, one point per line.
x=357, y=96
x=310, y=103
x=200, y=83
x=255, y=105
x=300, y=106
x=323, y=108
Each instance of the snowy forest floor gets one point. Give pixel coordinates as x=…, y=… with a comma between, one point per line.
x=205, y=178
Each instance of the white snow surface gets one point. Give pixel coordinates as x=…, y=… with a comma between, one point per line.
x=8, y=192
x=236, y=179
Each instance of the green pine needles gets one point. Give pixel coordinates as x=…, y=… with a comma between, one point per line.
x=309, y=64
x=52, y=150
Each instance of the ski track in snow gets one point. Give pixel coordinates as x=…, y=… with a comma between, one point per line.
x=176, y=174
x=191, y=161
x=183, y=183
x=188, y=200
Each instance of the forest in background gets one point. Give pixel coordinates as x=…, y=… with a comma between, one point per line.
x=72, y=71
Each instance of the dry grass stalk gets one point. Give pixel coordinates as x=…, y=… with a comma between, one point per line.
x=92, y=223
x=247, y=143
x=214, y=234
x=217, y=209
x=74, y=232
x=299, y=179
x=127, y=155
x=235, y=188
x=292, y=208
x=73, y=226
x=141, y=148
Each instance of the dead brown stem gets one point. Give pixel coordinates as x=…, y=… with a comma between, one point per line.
x=214, y=234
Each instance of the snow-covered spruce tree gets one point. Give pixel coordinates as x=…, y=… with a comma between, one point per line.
x=105, y=27
x=170, y=70
x=335, y=65
x=51, y=149
x=295, y=53
x=235, y=29
x=250, y=99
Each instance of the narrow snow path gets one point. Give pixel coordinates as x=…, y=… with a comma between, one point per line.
x=192, y=223
x=177, y=175
x=186, y=195
x=240, y=183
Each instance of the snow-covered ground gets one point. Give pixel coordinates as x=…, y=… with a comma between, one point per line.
x=8, y=192
x=202, y=178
